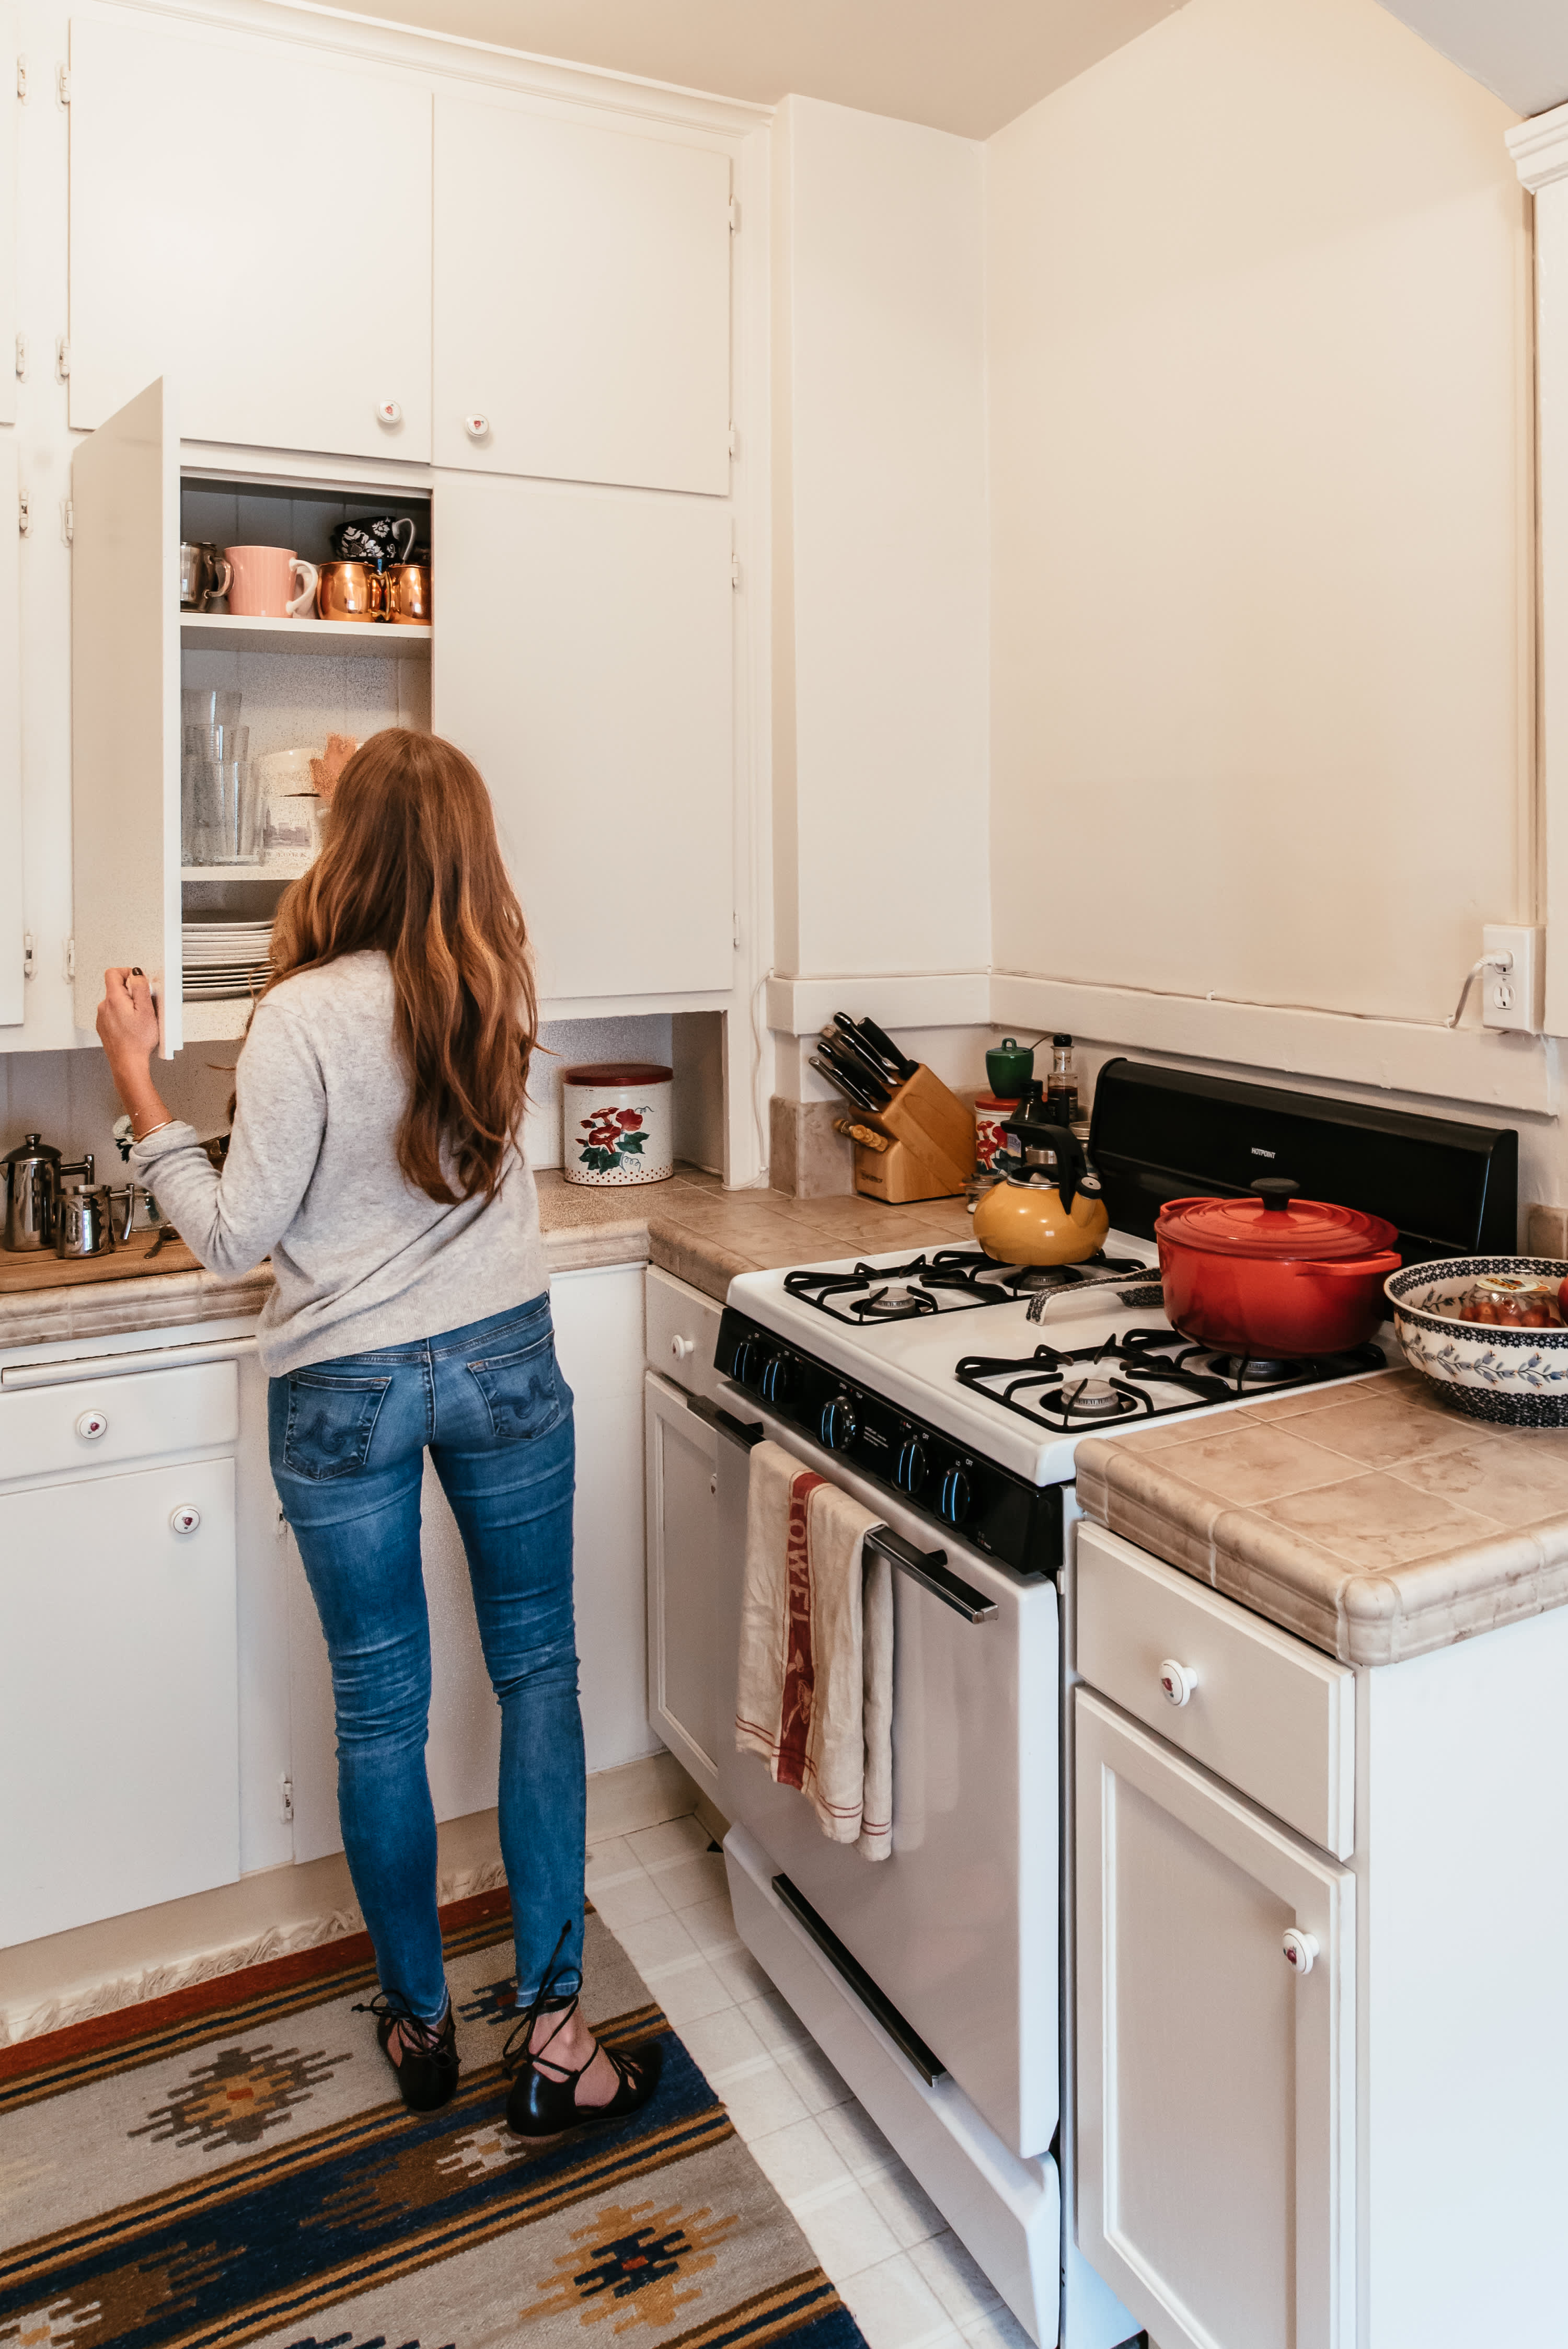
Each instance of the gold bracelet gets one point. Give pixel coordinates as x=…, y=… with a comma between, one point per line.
x=138, y=1139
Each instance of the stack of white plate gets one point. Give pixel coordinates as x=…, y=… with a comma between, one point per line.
x=225, y=959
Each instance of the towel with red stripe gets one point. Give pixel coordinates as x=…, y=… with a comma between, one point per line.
x=815, y=1682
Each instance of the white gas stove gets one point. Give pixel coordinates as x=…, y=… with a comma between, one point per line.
x=954, y=1380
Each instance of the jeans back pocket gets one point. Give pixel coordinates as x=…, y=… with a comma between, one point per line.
x=524, y=1392
x=330, y=1423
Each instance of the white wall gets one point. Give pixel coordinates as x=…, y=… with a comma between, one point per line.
x=880, y=577
x=1260, y=355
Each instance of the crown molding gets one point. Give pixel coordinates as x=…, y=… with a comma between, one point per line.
x=1540, y=148
x=517, y=72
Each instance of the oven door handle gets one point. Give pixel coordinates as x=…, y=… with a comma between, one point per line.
x=744, y=1433
x=929, y=1567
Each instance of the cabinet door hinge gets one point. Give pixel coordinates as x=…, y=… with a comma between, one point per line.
x=63, y=84
x=70, y=957
x=734, y=437
x=21, y=354
x=63, y=357
x=735, y=570
x=21, y=78
x=735, y=931
x=24, y=513
x=67, y=520
x=734, y=213
x=286, y=1800
x=30, y=968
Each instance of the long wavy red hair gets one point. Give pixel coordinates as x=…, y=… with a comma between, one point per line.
x=411, y=865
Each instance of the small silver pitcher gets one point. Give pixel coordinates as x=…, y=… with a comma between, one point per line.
x=34, y=1175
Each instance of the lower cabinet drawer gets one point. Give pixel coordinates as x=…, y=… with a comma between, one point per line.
x=118, y=1695
x=683, y=1331
x=1257, y=1706
x=96, y=1423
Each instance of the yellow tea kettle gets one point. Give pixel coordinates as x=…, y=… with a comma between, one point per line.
x=1046, y=1209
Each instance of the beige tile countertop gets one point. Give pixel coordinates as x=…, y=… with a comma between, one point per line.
x=691, y=1226
x=1369, y=1518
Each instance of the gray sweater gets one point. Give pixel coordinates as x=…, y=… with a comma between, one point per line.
x=360, y=1258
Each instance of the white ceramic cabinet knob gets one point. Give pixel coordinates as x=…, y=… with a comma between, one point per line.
x=1300, y=1948
x=92, y=1425
x=185, y=1519
x=682, y=1346
x=476, y=427
x=388, y=412
x=1177, y=1682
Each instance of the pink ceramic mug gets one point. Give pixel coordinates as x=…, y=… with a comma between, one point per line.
x=263, y=586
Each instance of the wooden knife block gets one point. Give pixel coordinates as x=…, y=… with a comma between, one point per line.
x=931, y=1136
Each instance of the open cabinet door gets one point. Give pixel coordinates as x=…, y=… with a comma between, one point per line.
x=12, y=985
x=125, y=704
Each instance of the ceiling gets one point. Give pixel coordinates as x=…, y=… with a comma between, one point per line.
x=1517, y=47
x=967, y=65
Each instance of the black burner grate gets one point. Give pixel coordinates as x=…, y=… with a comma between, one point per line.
x=1149, y=1372
x=948, y=1280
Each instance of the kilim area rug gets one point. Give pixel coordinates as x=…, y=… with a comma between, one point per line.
x=233, y=2164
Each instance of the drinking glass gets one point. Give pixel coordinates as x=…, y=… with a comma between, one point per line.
x=201, y=704
x=219, y=811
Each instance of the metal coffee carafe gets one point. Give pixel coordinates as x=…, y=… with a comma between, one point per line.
x=33, y=1177
x=83, y=1219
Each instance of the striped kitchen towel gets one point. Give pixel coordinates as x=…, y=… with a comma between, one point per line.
x=815, y=1678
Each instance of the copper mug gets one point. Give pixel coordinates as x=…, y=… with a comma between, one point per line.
x=350, y=591
x=408, y=592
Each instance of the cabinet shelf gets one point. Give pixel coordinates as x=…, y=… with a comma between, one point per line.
x=277, y=875
x=374, y=640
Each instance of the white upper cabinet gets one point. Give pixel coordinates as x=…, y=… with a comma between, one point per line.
x=581, y=301
x=255, y=222
x=584, y=660
x=12, y=981
x=125, y=706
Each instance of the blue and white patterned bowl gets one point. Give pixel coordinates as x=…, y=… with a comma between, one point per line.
x=1515, y=1378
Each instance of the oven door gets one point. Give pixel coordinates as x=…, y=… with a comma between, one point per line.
x=958, y=1929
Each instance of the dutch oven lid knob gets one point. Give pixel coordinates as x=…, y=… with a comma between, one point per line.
x=1276, y=1192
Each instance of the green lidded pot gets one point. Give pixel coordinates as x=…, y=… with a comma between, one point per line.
x=1009, y=1068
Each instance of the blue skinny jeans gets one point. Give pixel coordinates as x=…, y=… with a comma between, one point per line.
x=347, y=1440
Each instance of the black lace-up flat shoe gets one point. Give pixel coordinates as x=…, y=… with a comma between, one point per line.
x=427, y=2063
x=543, y=2098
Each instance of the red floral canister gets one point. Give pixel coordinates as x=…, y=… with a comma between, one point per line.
x=990, y=1114
x=617, y=1122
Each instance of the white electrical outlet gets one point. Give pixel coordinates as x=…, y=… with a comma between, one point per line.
x=1512, y=998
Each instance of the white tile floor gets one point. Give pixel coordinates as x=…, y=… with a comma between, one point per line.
x=905, y=2277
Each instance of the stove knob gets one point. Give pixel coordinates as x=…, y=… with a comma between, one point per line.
x=778, y=1377
x=909, y=1473
x=743, y=1366
x=956, y=1498
x=839, y=1426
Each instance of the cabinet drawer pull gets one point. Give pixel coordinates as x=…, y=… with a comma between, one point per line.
x=1177, y=1682
x=740, y=1431
x=185, y=1519
x=1300, y=1948
x=682, y=1348
x=929, y=1567
x=388, y=412
x=477, y=427
x=92, y=1425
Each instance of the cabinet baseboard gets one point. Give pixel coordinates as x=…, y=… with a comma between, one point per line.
x=96, y=1968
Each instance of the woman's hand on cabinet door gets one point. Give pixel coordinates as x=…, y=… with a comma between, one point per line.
x=127, y=1031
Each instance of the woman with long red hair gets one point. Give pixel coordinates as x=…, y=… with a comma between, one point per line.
x=377, y=1157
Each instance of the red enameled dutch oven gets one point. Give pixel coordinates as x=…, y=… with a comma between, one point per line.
x=1274, y=1275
